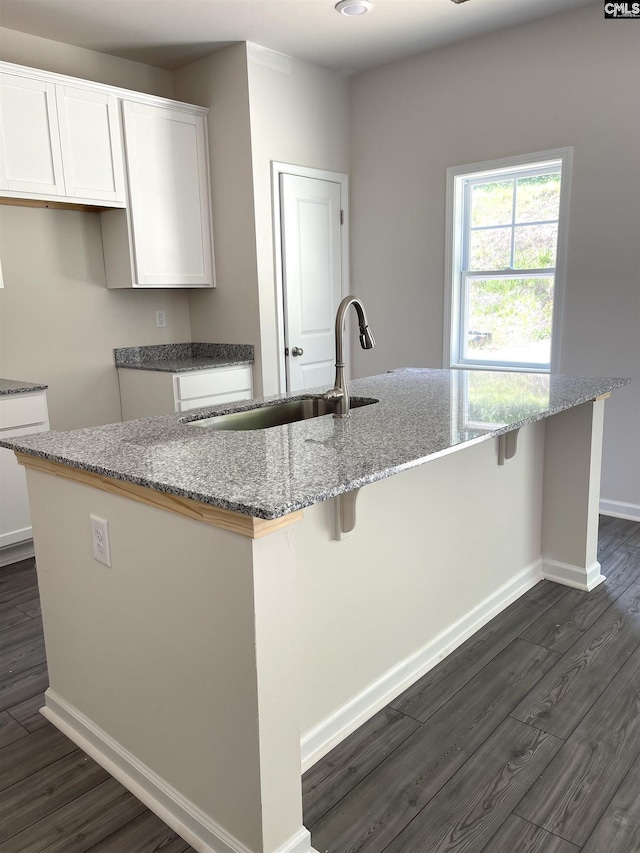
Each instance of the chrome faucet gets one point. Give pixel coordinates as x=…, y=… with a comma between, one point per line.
x=339, y=393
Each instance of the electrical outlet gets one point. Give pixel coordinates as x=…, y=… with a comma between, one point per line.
x=100, y=540
x=161, y=319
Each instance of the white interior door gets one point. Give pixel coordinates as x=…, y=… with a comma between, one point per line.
x=312, y=278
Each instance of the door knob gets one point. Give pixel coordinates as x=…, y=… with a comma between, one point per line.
x=297, y=351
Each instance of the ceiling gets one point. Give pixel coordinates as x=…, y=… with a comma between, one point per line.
x=172, y=33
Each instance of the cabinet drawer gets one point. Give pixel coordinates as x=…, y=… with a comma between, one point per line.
x=222, y=380
x=22, y=411
x=229, y=397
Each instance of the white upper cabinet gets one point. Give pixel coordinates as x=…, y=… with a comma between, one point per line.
x=30, y=153
x=169, y=197
x=59, y=142
x=91, y=145
x=143, y=160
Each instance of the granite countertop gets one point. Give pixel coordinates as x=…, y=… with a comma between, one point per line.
x=421, y=415
x=14, y=386
x=182, y=358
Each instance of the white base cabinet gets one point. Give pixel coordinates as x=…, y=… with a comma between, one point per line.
x=147, y=393
x=20, y=414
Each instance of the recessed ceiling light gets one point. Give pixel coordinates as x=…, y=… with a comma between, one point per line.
x=354, y=7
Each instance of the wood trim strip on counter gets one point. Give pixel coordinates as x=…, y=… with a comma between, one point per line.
x=245, y=525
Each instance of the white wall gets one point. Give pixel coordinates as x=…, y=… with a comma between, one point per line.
x=299, y=115
x=568, y=80
x=229, y=314
x=58, y=322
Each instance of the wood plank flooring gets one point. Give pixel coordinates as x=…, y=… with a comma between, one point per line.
x=525, y=740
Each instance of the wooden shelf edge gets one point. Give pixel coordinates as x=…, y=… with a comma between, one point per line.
x=235, y=522
x=55, y=205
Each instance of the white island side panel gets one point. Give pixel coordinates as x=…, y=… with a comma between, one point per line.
x=170, y=667
x=416, y=577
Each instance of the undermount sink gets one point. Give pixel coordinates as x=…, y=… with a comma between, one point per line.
x=276, y=414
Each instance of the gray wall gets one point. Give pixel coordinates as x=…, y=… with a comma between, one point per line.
x=229, y=314
x=299, y=115
x=60, y=58
x=567, y=80
x=264, y=107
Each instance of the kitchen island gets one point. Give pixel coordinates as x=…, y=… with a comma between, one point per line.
x=270, y=590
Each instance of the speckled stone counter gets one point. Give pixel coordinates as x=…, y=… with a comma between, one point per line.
x=181, y=358
x=421, y=415
x=14, y=386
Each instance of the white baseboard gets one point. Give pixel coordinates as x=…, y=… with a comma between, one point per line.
x=14, y=553
x=320, y=740
x=185, y=818
x=620, y=509
x=300, y=843
x=574, y=576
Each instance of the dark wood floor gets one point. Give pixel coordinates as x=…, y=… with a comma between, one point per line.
x=525, y=740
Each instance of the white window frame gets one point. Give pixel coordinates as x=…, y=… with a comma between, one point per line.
x=455, y=234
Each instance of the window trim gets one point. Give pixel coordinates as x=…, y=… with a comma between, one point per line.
x=454, y=237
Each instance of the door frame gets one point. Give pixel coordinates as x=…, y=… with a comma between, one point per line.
x=278, y=169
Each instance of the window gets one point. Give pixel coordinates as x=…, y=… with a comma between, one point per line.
x=507, y=224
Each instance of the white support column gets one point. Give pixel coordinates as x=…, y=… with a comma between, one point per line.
x=277, y=638
x=573, y=452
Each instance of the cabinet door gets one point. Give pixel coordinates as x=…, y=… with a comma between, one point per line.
x=20, y=414
x=91, y=145
x=169, y=193
x=15, y=519
x=30, y=154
